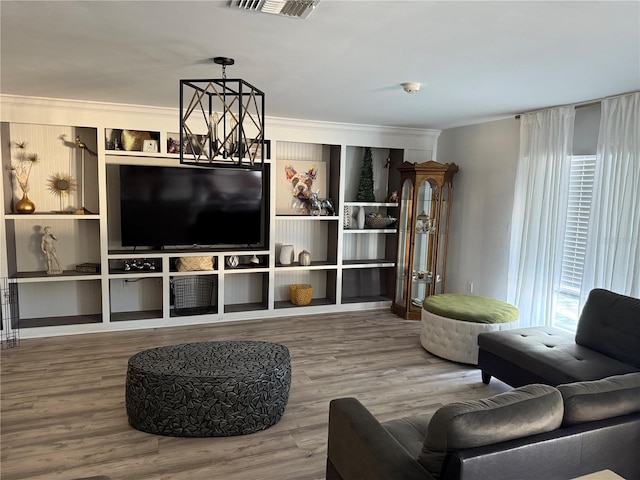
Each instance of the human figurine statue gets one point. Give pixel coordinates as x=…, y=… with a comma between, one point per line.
x=49, y=249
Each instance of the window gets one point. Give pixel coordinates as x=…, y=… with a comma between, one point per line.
x=566, y=311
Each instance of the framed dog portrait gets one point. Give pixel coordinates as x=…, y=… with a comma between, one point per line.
x=296, y=180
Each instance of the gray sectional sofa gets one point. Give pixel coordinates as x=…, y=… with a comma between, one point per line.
x=532, y=432
x=607, y=342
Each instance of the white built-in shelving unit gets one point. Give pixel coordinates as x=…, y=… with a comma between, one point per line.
x=351, y=269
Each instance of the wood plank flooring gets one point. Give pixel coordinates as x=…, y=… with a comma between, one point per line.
x=63, y=414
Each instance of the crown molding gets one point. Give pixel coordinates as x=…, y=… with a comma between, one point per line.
x=24, y=109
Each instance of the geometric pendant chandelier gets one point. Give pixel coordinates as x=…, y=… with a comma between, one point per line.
x=221, y=122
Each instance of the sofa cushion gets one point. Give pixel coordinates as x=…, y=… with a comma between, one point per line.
x=518, y=413
x=551, y=354
x=610, y=324
x=600, y=399
x=410, y=432
x=470, y=308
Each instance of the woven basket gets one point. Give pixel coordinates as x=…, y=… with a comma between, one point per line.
x=378, y=222
x=192, y=264
x=300, y=293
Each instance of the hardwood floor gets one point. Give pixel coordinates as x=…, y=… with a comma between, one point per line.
x=63, y=414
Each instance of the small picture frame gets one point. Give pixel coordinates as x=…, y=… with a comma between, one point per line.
x=195, y=144
x=150, y=146
x=173, y=143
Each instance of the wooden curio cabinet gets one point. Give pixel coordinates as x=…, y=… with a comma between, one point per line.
x=423, y=231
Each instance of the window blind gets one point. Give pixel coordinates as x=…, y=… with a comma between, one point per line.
x=575, y=239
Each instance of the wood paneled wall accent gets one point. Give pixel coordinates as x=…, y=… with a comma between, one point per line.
x=307, y=233
x=310, y=152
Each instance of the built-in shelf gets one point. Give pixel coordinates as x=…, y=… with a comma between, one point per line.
x=366, y=299
x=371, y=204
x=348, y=266
x=370, y=230
x=242, y=269
x=136, y=315
x=65, y=320
x=319, y=265
x=42, y=277
x=315, y=302
x=244, y=307
x=135, y=273
x=51, y=216
x=373, y=263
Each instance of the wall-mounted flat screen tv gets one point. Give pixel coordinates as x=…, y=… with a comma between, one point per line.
x=177, y=207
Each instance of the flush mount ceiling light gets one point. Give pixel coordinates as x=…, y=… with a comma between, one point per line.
x=287, y=8
x=410, y=87
x=221, y=121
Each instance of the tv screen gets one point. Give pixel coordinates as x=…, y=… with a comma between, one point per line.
x=187, y=206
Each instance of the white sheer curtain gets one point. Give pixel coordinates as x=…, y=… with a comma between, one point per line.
x=539, y=212
x=613, y=246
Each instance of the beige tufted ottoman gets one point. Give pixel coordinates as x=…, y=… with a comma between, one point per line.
x=451, y=324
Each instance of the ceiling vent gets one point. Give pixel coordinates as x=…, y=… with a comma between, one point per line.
x=286, y=8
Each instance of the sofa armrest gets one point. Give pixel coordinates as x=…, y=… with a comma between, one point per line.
x=359, y=447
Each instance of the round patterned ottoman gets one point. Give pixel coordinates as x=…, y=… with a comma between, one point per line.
x=451, y=323
x=208, y=389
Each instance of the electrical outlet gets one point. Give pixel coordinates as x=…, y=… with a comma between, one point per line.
x=470, y=287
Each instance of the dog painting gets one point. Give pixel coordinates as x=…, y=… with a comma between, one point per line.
x=301, y=186
x=297, y=180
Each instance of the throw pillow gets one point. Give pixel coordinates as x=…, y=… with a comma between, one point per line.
x=600, y=399
x=519, y=413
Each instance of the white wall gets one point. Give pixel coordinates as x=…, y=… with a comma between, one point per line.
x=483, y=198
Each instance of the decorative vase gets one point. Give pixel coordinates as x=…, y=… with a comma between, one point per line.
x=24, y=205
x=304, y=258
x=286, y=254
x=232, y=261
x=346, y=217
x=361, y=218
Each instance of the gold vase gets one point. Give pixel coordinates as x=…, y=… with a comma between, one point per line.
x=25, y=205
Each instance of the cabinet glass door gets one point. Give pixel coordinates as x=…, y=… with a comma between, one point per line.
x=404, y=240
x=423, y=245
x=440, y=265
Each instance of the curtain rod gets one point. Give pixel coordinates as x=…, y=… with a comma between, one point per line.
x=588, y=103
x=578, y=105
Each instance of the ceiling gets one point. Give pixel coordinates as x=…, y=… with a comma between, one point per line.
x=476, y=60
